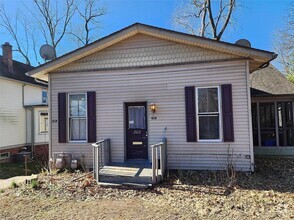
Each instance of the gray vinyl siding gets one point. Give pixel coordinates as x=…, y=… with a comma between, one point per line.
x=164, y=86
x=141, y=50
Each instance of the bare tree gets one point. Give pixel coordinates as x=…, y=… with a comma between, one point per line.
x=89, y=14
x=284, y=45
x=13, y=26
x=52, y=23
x=205, y=18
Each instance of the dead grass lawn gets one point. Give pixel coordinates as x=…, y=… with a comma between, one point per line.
x=266, y=194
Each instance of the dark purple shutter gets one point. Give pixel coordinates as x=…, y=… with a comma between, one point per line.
x=190, y=114
x=91, y=99
x=62, y=117
x=227, y=111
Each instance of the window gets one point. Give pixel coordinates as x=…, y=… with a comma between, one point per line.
x=137, y=117
x=77, y=113
x=208, y=113
x=267, y=124
x=44, y=97
x=43, y=122
x=4, y=155
x=273, y=124
x=285, y=123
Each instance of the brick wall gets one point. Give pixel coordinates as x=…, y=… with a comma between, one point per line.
x=40, y=154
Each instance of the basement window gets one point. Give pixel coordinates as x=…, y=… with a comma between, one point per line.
x=4, y=155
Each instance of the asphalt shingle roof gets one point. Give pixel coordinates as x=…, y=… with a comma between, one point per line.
x=270, y=81
x=19, y=72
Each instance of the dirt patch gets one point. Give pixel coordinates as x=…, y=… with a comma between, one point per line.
x=268, y=193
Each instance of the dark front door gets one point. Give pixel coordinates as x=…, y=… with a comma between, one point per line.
x=136, y=130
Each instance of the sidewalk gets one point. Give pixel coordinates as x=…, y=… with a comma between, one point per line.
x=4, y=184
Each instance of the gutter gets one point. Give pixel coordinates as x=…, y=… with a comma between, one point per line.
x=268, y=62
x=41, y=81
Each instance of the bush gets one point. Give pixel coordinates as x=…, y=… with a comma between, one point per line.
x=34, y=184
x=13, y=185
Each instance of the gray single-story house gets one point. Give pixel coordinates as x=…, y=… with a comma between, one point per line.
x=272, y=97
x=143, y=83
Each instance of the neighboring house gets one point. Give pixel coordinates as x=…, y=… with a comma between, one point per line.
x=23, y=109
x=272, y=113
x=199, y=87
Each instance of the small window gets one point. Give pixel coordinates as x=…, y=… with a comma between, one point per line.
x=4, y=155
x=43, y=120
x=208, y=113
x=44, y=97
x=77, y=117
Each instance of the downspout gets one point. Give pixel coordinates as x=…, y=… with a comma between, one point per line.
x=32, y=122
x=23, y=85
x=32, y=132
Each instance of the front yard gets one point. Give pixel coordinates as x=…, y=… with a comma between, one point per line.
x=268, y=193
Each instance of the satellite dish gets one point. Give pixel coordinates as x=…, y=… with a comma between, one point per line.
x=47, y=52
x=243, y=42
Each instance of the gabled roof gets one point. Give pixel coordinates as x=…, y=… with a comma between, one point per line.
x=19, y=72
x=258, y=57
x=270, y=81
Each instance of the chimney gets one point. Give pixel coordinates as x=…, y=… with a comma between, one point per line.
x=7, y=56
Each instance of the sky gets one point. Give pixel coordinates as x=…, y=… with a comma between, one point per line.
x=255, y=20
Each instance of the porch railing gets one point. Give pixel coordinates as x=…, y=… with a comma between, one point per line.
x=101, y=156
x=159, y=160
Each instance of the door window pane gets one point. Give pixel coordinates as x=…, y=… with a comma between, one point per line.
x=137, y=117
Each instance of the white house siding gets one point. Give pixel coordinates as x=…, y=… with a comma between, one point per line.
x=33, y=95
x=15, y=120
x=165, y=87
x=12, y=114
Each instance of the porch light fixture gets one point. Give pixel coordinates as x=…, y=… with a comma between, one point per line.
x=152, y=107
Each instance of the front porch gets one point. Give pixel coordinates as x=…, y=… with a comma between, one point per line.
x=136, y=171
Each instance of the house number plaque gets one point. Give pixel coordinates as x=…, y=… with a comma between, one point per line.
x=137, y=131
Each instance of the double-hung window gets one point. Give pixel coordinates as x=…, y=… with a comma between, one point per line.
x=208, y=113
x=43, y=122
x=77, y=117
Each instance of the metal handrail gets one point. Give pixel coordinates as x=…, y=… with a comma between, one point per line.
x=158, y=152
x=101, y=156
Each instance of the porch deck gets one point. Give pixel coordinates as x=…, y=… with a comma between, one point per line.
x=132, y=171
x=128, y=172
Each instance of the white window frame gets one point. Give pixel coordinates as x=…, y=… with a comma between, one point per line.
x=219, y=112
x=46, y=132
x=68, y=118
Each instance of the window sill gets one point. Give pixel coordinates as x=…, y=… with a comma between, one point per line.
x=78, y=142
x=43, y=133
x=210, y=141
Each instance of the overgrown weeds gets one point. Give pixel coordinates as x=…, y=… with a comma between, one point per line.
x=34, y=184
x=13, y=185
